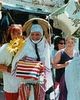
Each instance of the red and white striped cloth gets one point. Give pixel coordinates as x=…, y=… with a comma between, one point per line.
x=29, y=69
x=24, y=92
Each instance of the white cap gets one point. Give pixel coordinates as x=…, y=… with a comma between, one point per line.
x=36, y=28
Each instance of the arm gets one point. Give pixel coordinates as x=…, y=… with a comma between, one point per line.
x=5, y=58
x=56, y=61
x=3, y=68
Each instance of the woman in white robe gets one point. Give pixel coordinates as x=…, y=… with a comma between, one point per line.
x=44, y=53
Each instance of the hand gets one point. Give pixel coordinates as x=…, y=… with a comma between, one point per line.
x=3, y=68
x=66, y=63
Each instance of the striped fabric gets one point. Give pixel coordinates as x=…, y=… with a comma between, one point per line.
x=29, y=69
x=24, y=92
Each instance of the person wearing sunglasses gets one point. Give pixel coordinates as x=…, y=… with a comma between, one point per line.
x=58, y=44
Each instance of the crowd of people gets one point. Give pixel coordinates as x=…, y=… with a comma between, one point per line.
x=59, y=59
x=38, y=48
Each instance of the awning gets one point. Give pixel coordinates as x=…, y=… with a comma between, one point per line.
x=31, y=10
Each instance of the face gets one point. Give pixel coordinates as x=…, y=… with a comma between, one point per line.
x=61, y=44
x=16, y=33
x=35, y=36
x=70, y=43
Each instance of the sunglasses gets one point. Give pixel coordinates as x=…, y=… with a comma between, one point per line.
x=61, y=43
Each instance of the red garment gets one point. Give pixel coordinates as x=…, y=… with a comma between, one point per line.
x=24, y=92
x=11, y=96
x=39, y=92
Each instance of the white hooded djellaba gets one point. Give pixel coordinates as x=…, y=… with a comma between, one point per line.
x=44, y=53
x=72, y=78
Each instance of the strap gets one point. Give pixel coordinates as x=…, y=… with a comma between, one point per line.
x=36, y=50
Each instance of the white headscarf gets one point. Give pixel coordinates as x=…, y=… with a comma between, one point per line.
x=37, y=28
